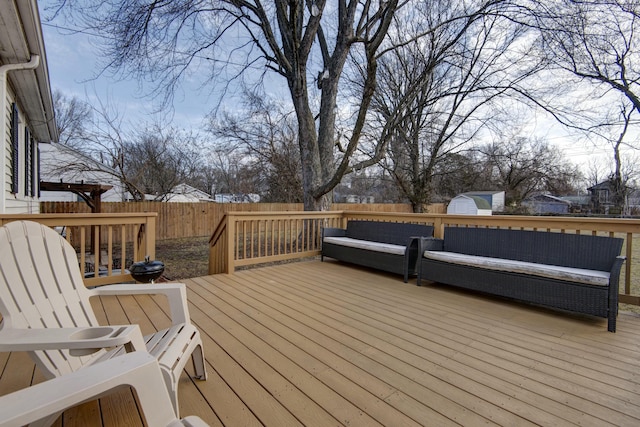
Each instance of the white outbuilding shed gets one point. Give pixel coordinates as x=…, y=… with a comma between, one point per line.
x=468, y=205
x=495, y=198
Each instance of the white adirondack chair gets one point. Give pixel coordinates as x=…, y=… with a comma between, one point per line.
x=42, y=403
x=46, y=311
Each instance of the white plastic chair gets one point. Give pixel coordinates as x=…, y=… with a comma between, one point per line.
x=46, y=311
x=42, y=403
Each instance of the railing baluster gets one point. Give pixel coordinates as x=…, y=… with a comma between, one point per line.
x=109, y=250
x=627, y=268
x=83, y=252
x=272, y=237
x=123, y=247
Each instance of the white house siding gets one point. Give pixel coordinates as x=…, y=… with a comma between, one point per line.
x=57, y=165
x=22, y=201
x=24, y=80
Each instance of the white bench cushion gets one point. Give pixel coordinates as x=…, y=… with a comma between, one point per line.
x=580, y=275
x=366, y=244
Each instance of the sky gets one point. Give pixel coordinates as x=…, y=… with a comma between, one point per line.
x=74, y=68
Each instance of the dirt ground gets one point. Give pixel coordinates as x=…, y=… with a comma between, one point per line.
x=184, y=258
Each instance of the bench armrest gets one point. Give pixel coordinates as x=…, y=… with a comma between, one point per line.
x=412, y=255
x=431, y=244
x=614, y=274
x=333, y=232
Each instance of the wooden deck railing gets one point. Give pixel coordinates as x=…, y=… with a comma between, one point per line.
x=244, y=238
x=106, y=244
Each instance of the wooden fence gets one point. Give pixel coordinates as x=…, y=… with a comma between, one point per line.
x=180, y=220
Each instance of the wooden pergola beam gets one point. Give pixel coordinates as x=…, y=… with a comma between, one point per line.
x=90, y=193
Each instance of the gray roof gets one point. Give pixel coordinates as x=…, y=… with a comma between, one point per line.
x=480, y=202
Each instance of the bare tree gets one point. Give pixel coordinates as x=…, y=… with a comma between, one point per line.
x=264, y=134
x=146, y=159
x=231, y=172
x=73, y=116
x=623, y=171
x=97, y=134
x=522, y=167
x=307, y=43
x=618, y=181
x=437, y=93
x=595, y=43
x=460, y=172
x=159, y=159
x=594, y=40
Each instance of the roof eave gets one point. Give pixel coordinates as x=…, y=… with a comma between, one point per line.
x=22, y=32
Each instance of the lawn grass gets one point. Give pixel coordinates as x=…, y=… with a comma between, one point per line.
x=184, y=258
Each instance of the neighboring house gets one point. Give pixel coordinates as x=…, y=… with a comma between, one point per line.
x=26, y=105
x=494, y=198
x=236, y=198
x=354, y=198
x=602, y=198
x=547, y=204
x=184, y=193
x=60, y=163
x=468, y=205
x=181, y=193
x=579, y=203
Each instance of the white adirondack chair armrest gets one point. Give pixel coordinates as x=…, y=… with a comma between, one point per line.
x=81, y=340
x=176, y=293
x=138, y=370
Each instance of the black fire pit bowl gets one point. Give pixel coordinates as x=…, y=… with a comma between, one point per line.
x=146, y=271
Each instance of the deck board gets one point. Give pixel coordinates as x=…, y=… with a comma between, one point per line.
x=324, y=343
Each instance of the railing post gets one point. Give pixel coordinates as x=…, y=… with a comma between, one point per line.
x=146, y=239
x=438, y=227
x=150, y=237
x=231, y=243
x=627, y=271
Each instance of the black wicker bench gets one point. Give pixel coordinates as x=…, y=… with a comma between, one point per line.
x=387, y=246
x=572, y=272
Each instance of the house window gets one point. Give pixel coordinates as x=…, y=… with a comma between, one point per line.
x=28, y=174
x=603, y=196
x=35, y=168
x=15, y=139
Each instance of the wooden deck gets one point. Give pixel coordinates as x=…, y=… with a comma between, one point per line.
x=323, y=344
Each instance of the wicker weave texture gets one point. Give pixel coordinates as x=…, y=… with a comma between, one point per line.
x=403, y=234
x=569, y=250
x=395, y=233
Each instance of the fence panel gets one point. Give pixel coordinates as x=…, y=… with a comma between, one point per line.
x=183, y=220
